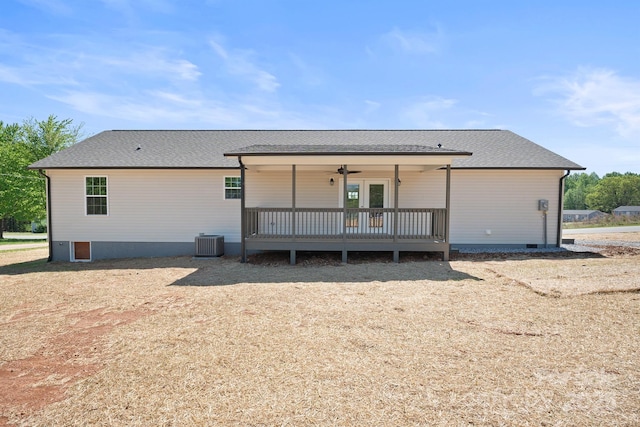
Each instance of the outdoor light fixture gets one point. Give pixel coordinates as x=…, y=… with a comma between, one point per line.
x=331, y=181
x=399, y=182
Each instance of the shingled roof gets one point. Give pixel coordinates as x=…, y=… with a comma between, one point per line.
x=178, y=149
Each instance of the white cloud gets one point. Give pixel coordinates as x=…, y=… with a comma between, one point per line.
x=414, y=42
x=85, y=69
x=475, y=124
x=69, y=61
x=14, y=76
x=158, y=108
x=164, y=109
x=594, y=97
x=309, y=75
x=177, y=98
x=34, y=76
x=123, y=7
x=127, y=8
x=371, y=106
x=219, y=49
x=422, y=113
x=239, y=63
x=152, y=85
x=56, y=7
x=163, y=6
x=149, y=62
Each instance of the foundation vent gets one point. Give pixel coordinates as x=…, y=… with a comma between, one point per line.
x=209, y=245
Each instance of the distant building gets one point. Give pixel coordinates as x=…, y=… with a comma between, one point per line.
x=580, y=215
x=627, y=211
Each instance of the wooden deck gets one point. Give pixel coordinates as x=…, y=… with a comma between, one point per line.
x=338, y=229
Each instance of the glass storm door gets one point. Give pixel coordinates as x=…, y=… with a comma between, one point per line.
x=354, y=200
x=369, y=194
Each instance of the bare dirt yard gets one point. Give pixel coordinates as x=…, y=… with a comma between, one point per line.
x=500, y=339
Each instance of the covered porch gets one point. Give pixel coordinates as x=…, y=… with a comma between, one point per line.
x=367, y=214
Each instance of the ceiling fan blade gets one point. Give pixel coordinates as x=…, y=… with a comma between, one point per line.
x=341, y=171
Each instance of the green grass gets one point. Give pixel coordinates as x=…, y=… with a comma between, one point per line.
x=13, y=238
x=20, y=241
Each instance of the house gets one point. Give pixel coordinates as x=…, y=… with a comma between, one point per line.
x=581, y=215
x=135, y=193
x=626, y=211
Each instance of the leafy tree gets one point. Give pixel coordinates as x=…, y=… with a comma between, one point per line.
x=615, y=190
x=22, y=191
x=49, y=136
x=12, y=164
x=610, y=174
x=576, y=189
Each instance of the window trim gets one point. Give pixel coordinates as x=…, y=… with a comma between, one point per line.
x=225, y=188
x=86, y=196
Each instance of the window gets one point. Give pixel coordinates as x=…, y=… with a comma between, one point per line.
x=96, y=195
x=232, y=187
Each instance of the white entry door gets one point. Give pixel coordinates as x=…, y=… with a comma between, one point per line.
x=366, y=194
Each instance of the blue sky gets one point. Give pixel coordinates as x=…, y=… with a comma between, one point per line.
x=565, y=74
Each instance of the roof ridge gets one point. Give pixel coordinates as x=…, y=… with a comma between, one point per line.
x=306, y=130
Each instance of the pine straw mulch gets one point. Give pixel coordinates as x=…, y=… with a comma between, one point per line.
x=181, y=341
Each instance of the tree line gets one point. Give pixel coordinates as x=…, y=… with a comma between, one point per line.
x=589, y=191
x=22, y=191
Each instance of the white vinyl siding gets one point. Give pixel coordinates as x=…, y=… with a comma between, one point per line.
x=487, y=206
x=273, y=189
x=177, y=207
x=422, y=189
x=501, y=206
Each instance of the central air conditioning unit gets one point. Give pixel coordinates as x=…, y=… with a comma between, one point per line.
x=209, y=245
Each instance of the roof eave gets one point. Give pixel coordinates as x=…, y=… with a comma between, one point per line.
x=560, y=168
x=131, y=167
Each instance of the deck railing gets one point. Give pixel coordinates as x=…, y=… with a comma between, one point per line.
x=335, y=223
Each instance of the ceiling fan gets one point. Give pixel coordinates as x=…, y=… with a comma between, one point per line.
x=341, y=171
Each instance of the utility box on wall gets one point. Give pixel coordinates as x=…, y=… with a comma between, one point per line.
x=543, y=205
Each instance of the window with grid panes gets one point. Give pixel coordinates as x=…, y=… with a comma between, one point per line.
x=96, y=195
x=232, y=187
